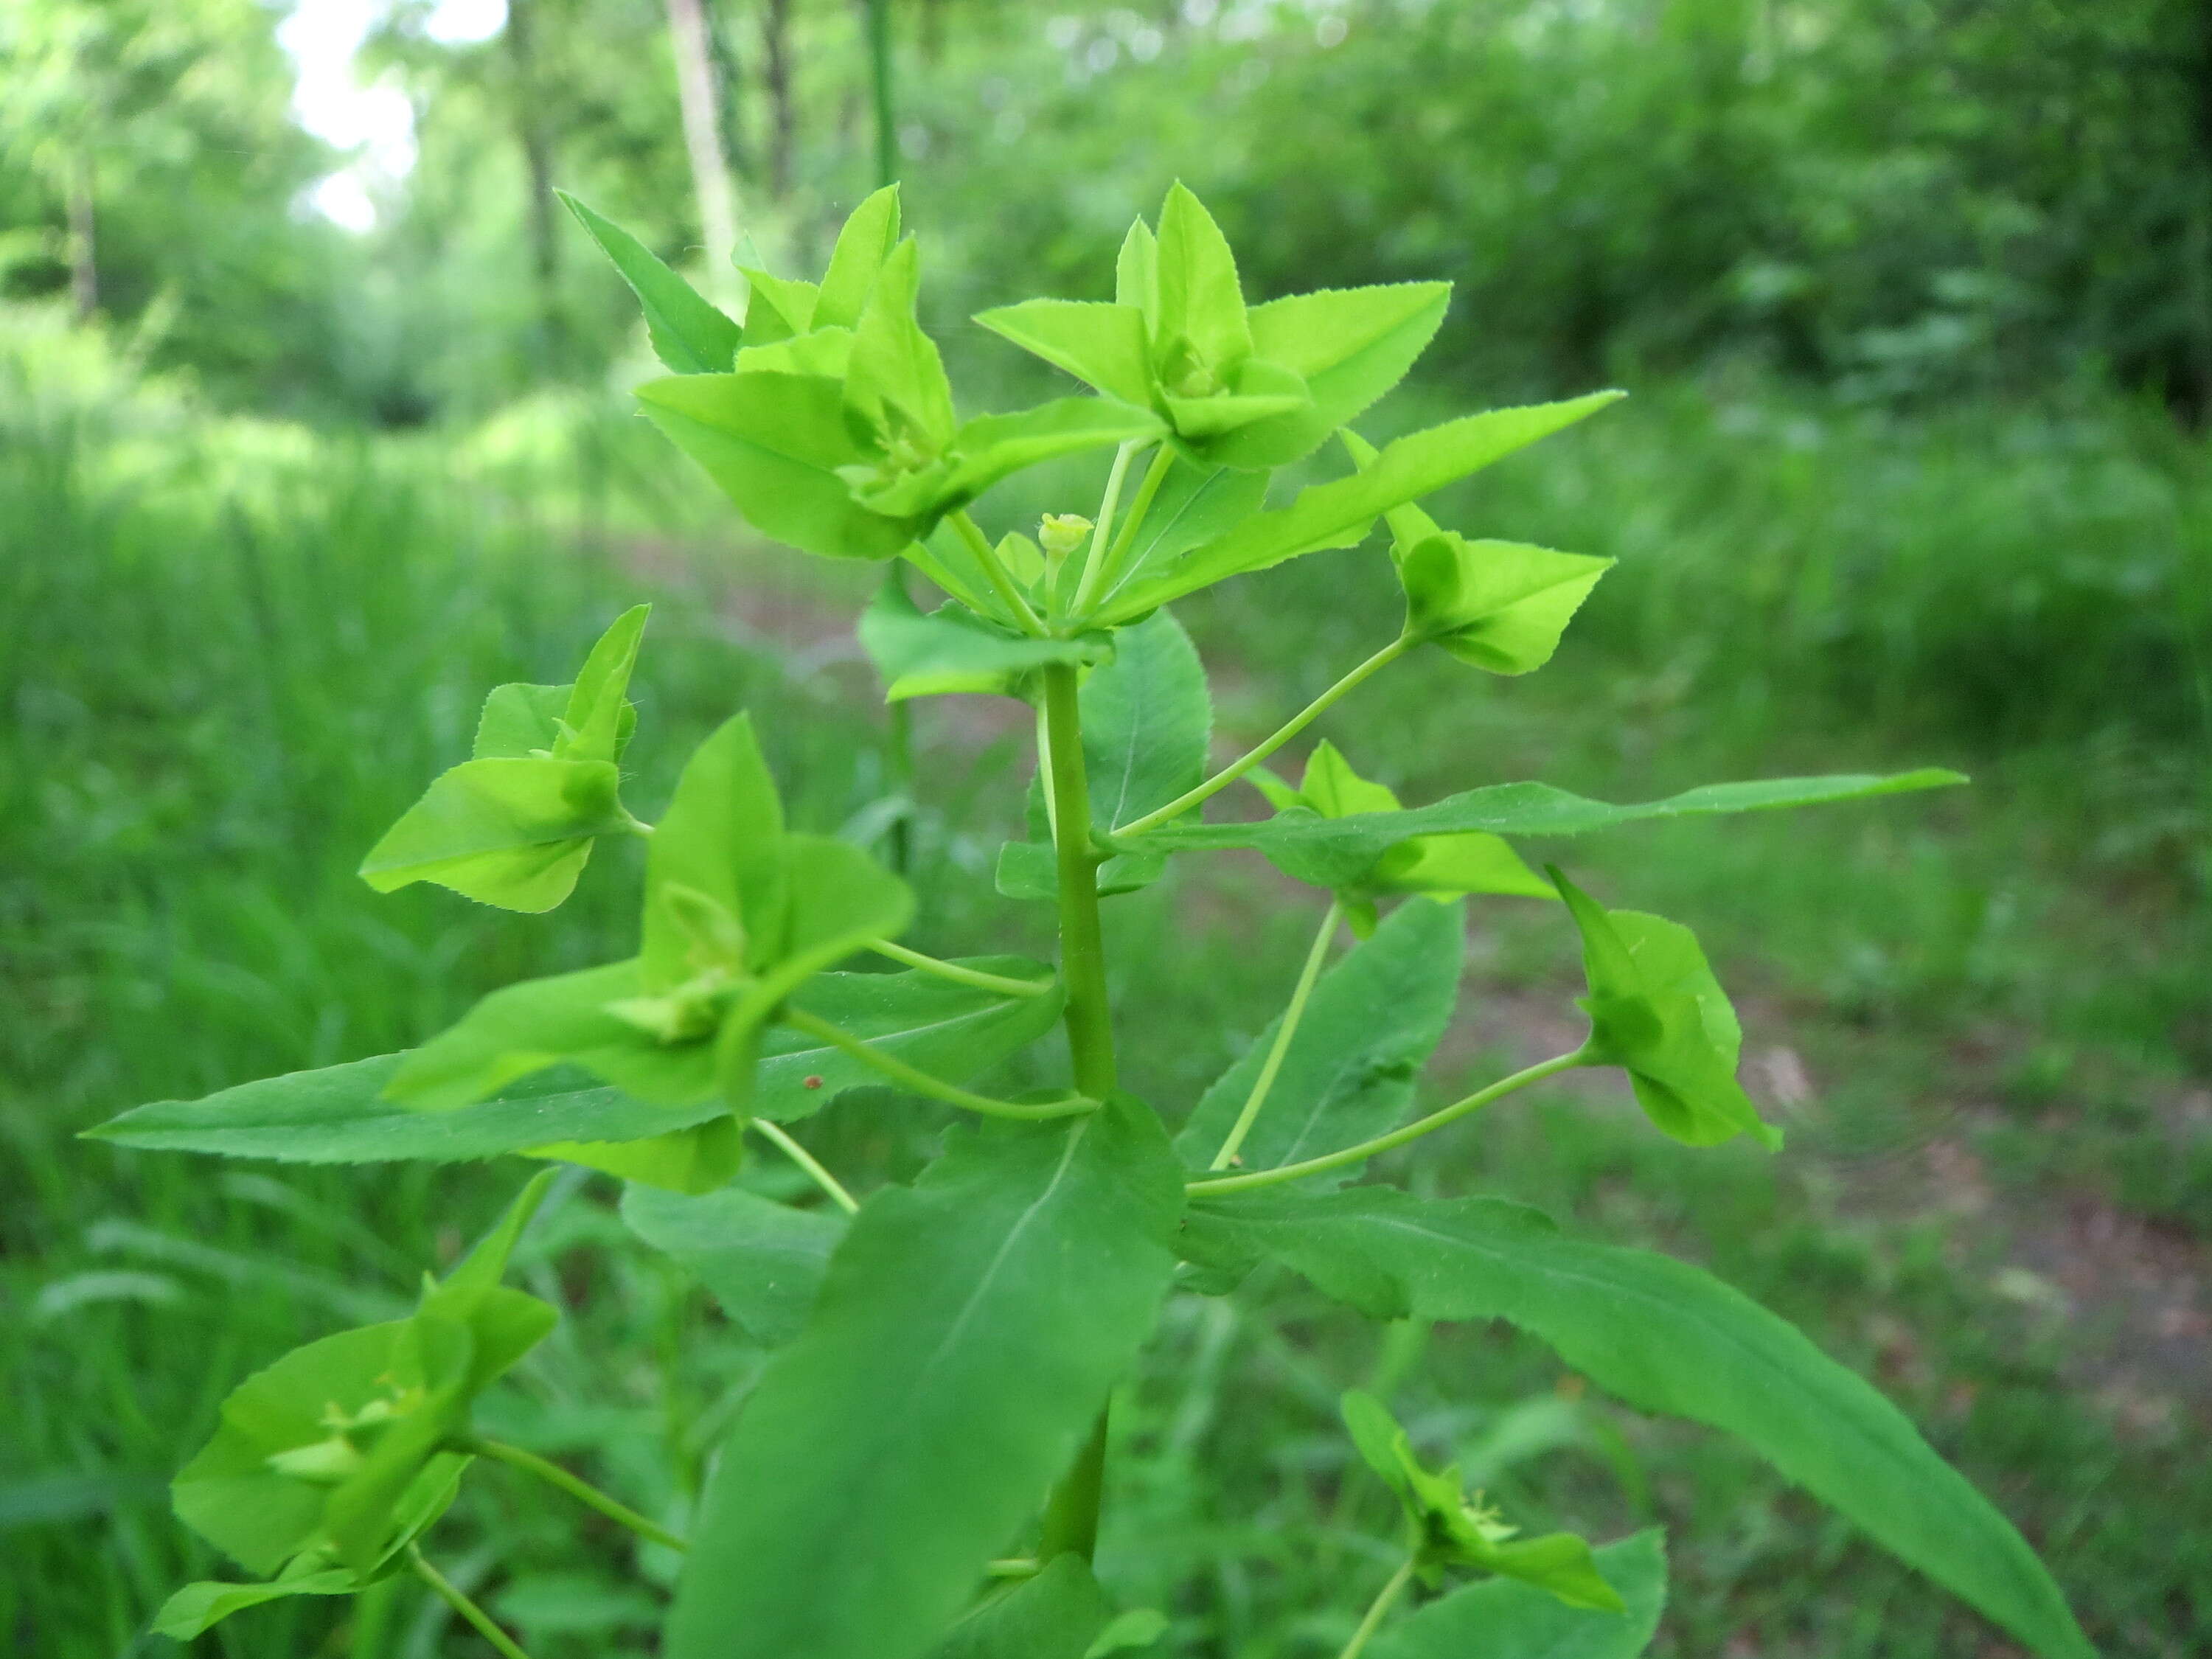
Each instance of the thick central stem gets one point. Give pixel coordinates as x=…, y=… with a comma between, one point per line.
x=1082, y=946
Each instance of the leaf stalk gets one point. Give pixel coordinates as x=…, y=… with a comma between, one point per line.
x=921, y=1083
x=477, y=1619
x=582, y=1491
x=1001, y=984
x=1265, y=1083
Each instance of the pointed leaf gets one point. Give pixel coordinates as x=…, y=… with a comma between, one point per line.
x=511, y=832
x=894, y=366
x=197, y=1607
x=1500, y=606
x=952, y=649
x=699, y=1159
x=689, y=334
x=1338, y=852
x=1348, y=1075
x=778, y=308
x=1031, y=870
x=1102, y=345
x=1323, y=515
x=722, y=839
x=1198, y=298
x=995, y=446
x=963, y=1343
x=1055, y=1615
x=520, y=721
x=863, y=245
x=773, y=443
x=1665, y=1337
x=1137, y=272
x=763, y=1262
x=1499, y=1619
x=598, y=701
x=1195, y=504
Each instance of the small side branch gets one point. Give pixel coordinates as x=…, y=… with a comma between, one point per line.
x=582, y=1491
x=921, y=1083
x=1265, y=1083
x=477, y=1619
x=959, y=976
x=807, y=1161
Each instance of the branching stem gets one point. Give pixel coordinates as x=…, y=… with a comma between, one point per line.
x=478, y=1617
x=582, y=1491
x=1002, y=984
x=1094, y=562
x=1284, y=1033
x=1282, y=735
x=1002, y=579
x=921, y=1083
x=807, y=1161
x=1413, y=1131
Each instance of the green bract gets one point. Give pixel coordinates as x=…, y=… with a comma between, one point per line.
x=513, y=824
x=918, y=1453
x=337, y=1453
x=1448, y=1530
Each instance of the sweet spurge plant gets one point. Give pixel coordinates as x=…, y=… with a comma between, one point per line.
x=918, y=1469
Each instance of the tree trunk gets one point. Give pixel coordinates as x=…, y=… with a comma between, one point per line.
x=775, y=72
x=83, y=261
x=697, y=93
x=538, y=166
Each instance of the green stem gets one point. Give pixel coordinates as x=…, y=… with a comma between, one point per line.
x=459, y=1603
x=959, y=976
x=1094, y=562
x=582, y=1491
x=1134, y=520
x=1376, y=1609
x=1002, y=579
x=1282, y=734
x=1013, y=1566
x=921, y=1083
x=1071, y=1514
x=1413, y=1131
x=1082, y=943
x=632, y=825
x=807, y=1161
x=1291, y=1015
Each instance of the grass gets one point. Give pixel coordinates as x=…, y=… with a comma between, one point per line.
x=232, y=654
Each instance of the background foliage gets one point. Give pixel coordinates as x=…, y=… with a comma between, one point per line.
x=1916, y=299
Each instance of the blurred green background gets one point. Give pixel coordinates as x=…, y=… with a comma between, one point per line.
x=313, y=426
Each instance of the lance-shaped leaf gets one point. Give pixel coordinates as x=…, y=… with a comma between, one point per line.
x=778, y=308
x=340, y=1113
x=963, y=1343
x=317, y=1572
x=1500, y=1619
x=515, y=825
x=1102, y=345
x=1195, y=504
x=775, y=443
x=1336, y=513
x=1446, y=1530
x=1348, y=1074
x=992, y=447
x=1337, y=852
x=865, y=245
x=322, y=1449
x=763, y=1262
x=1658, y=1012
x=1347, y=346
x=952, y=649
x=1057, y=1615
x=896, y=382
x=1665, y=1337
x=1440, y=867
x=689, y=334
x=701, y=1158
x=1499, y=605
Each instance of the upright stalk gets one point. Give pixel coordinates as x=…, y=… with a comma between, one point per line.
x=1272, y=1067
x=1071, y=1516
x=1381, y=1604
x=478, y=1619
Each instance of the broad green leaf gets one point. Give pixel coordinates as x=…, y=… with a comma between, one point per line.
x=841, y=898
x=519, y=721
x=1147, y=719
x=1338, y=852
x=762, y=1261
x=1665, y=1337
x=995, y=446
x=1349, y=346
x=773, y=443
x=1658, y=1012
x=1446, y=1530
x=698, y=1159
x=824, y=352
x=1055, y=1615
x=1198, y=308
x=963, y=1343
x=1253, y=393
x=1194, y=504
x=688, y=333
x=1499, y=605
x=864, y=245
x=896, y=379
x=1324, y=515
x=952, y=649
x=340, y=1115
x=1102, y=345
x=1498, y=1618
x=1031, y=870
x=1348, y=1073
x=511, y=832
